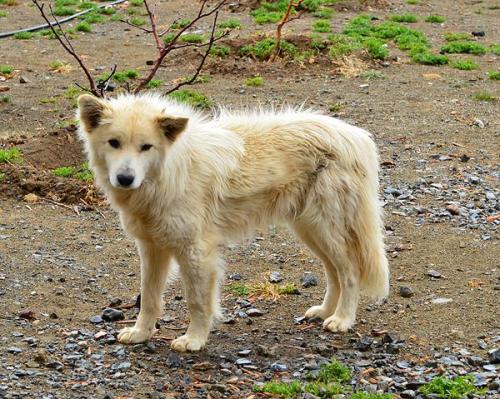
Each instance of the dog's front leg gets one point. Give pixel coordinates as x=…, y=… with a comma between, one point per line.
x=200, y=273
x=155, y=264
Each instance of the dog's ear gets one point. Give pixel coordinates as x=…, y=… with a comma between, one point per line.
x=172, y=126
x=91, y=110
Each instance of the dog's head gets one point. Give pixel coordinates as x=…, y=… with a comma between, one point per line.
x=127, y=138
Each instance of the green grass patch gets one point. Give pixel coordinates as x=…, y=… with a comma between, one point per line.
x=72, y=92
x=116, y=18
x=495, y=49
x=56, y=64
x=4, y=99
x=84, y=173
x=318, y=42
x=435, y=19
x=2, y=177
x=408, y=18
x=322, y=26
x=427, y=58
x=494, y=75
x=121, y=76
x=263, y=49
x=220, y=51
x=11, y=155
x=81, y=173
x=231, y=23
x=463, y=47
x=372, y=74
x=64, y=11
x=64, y=171
x=288, y=289
x=484, y=96
x=323, y=13
x=376, y=48
x=136, y=3
x=24, y=35
x=239, y=289
x=458, y=36
x=192, y=98
x=255, y=81
x=5, y=70
x=332, y=371
x=192, y=38
x=85, y=5
x=93, y=17
x=180, y=23
x=342, y=45
x=107, y=11
x=359, y=26
x=447, y=388
x=464, y=65
x=137, y=21
x=64, y=3
x=367, y=395
x=284, y=389
x=83, y=27
x=3, y=14
x=413, y=2
x=154, y=83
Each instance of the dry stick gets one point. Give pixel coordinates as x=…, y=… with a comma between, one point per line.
x=286, y=18
x=67, y=46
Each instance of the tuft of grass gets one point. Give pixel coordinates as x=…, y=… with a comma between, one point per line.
x=56, y=64
x=283, y=389
x=64, y=171
x=72, y=92
x=334, y=108
x=83, y=27
x=5, y=70
x=322, y=26
x=5, y=99
x=454, y=37
x=369, y=395
x=372, y=75
x=192, y=38
x=11, y=155
x=93, y=18
x=3, y=14
x=288, y=289
x=463, y=47
x=84, y=173
x=154, y=83
x=107, y=11
x=263, y=49
x=238, y=288
x=136, y=3
x=377, y=48
x=495, y=49
x=435, y=19
x=137, y=21
x=220, y=51
x=484, y=96
x=334, y=371
x=413, y=2
x=24, y=35
x=323, y=13
x=269, y=12
x=64, y=11
x=116, y=18
x=168, y=37
x=408, y=18
x=122, y=76
x=85, y=5
x=447, y=388
x=255, y=81
x=181, y=23
x=2, y=177
x=342, y=45
x=359, y=26
x=464, y=65
x=231, y=23
x=494, y=75
x=192, y=98
x=427, y=58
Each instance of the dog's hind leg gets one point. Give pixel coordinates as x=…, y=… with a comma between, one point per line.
x=327, y=308
x=155, y=265
x=200, y=270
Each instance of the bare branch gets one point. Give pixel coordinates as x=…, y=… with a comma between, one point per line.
x=126, y=21
x=67, y=45
x=103, y=85
x=286, y=18
x=152, y=19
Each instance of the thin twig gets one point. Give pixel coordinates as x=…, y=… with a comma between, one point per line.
x=152, y=19
x=286, y=18
x=126, y=21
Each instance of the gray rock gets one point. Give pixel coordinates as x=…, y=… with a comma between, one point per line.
x=254, y=312
x=96, y=319
x=110, y=314
x=494, y=356
x=405, y=291
x=278, y=367
x=309, y=280
x=441, y=301
x=434, y=274
x=243, y=362
x=275, y=277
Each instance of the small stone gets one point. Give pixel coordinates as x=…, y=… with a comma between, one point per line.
x=479, y=33
x=453, y=209
x=115, y=302
x=464, y=158
x=278, y=367
x=14, y=349
x=235, y=277
x=174, y=361
x=110, y=314
x=58, y=366
x=96, y=319
x=441, y=301
x=27, y=314
x=490, y=196
x=254, y=312
x=405, y=291
x=24, y=79
x=309, y=280
x=120, y=366
x=434, y=274
x=494, y=356
x=479, y=123
x=408, y=394
x=243, y=362
x=244, y=352
x=275, y=277
x=364, y=343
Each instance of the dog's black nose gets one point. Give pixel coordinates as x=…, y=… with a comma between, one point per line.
x=125, y=180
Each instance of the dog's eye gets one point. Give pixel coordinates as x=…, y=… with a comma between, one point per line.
x=146, y=147
x=114, y=143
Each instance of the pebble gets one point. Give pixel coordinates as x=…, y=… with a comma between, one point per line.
x=278, y=367
x=441, y=301
x=405, y=291
x=254, y=312
x=275, y=277
x=494, y=356
x=96, y=319
x=434, y=274
x=14, y=349
x=243, y=362
x=309, y=280
x=24, y=79
x=110, y=314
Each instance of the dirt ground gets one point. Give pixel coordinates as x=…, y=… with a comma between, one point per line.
x=65, y=257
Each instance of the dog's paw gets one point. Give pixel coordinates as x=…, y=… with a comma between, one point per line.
x=133, y=335
x=338, y=324
x=317, y=312
x=186, y=343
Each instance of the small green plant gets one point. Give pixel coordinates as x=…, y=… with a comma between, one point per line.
x=137, y=21
x=284, y=389
x=494, y=75
x=83, y=27
x=484, y=96
x=5, y=70
x=72, y=92
x=154, y=83
x=93, y=18
x=367, y=395
x=56, y=64
x=413, y=2
x=192, y=38
x=342, y=45
x=255, y=81
x=168, y=37
x=454, y=37
x=220, y=51
x=64, y=11
x=323, y=13
x=263, y=49
x=238, y=288
x=435, y=19
x=10, y=155
x=495, y=49
x=359, y=26
x=85, y=5
x=464, y=65
x=107, y=11
x=116, y=17
x=427, y=58
x=372, y=75
x=24, y=35
x=136, y=3
x=288, y=289
x=122, y=76
x=84, y=173
x=335, y=108
x=447, y=388
x=332, y=371
x=3, y=14
x=408, y=18
x=64, y=171
x=180, y=23
x=192, y=98
x=322, y=26
x=463, y=47
x=2, y=177
x=231, y=23
x=377, y=48
x=5, y=99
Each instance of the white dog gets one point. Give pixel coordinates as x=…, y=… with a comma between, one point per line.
x=183, y=184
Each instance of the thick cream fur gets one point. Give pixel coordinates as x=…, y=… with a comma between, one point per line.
x=224, y=176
